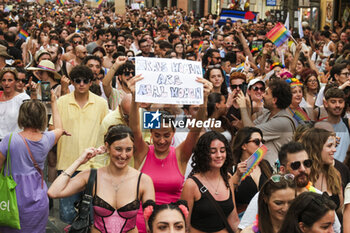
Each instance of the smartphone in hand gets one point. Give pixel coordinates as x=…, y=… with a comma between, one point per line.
x=45, y=91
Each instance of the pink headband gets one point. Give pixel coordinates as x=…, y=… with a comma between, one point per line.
x=46, y=68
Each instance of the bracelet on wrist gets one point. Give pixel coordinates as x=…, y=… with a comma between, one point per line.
x=66, y=174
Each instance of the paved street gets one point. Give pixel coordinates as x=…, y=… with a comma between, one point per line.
x=54, y=225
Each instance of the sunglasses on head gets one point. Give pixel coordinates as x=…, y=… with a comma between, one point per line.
x=234, y=86
x=262, y=89
x=277, y=177
x=257, y=141
x=296, y=165
x=78, y=80
x=214, y=66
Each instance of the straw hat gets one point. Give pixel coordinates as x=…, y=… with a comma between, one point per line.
x=39, y=53
x=46, y=65
x=3, y=52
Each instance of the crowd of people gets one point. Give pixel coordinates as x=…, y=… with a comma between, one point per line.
x=68, y=100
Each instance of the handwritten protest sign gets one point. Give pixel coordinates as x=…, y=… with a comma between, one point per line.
x=168, y=81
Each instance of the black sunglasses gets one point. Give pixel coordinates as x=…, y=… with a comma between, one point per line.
x=296, y=165
x=127, y=73
x=78, y=42
x=78, y=80
x=257, y=141
x=25, y=81
x=234, y=86
x=262, y=89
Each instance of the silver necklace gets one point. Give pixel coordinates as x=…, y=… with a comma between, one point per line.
x=117, y=186
x=217, y=186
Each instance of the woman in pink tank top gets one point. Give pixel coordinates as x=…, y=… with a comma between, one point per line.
x=166, y=165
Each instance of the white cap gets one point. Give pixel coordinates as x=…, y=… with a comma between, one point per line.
x=254, y=81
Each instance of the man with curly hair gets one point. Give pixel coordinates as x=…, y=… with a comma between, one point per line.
x=276, y=123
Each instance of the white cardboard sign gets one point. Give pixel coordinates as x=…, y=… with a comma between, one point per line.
x=168, y=81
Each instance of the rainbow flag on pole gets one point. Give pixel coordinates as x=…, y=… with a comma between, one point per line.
x=279, y=34
x=254, y=160
x=23, y=34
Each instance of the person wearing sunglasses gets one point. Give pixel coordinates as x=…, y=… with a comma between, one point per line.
x=293, y=159
x=310, y=213
x=323, y=174
x=276, y=123
x=256, y=89
x=247, y=141
x=227, y=45
x=237, y=84
x=81, y=112
x=124, y=70
x=21, y=79
x=274, y=200
x=75, y=40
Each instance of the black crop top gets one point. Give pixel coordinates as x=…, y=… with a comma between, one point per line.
x=205, y=216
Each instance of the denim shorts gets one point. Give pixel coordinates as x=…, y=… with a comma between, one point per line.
x=67, y=210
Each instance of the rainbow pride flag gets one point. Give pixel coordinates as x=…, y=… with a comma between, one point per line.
x=254, y=160
x=200, y=47
x=61, y=2
x=279, y=34
x=299, y=115
x=23, y=34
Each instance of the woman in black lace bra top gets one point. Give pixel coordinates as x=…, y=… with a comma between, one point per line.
x=118, y=189
x=208, y=191
x=247, y=141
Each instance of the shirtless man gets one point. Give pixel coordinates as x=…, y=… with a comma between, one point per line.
x=75, y=41
x=80, y=54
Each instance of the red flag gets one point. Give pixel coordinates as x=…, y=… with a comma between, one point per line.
x=249, y=15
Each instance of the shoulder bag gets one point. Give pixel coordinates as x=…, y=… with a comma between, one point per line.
x=83, y=222
x=9, y=215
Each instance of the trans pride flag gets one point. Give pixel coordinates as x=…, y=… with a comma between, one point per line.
x=254, y=160
x=278, y=35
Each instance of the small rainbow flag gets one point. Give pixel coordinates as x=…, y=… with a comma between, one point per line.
x=23, y=34
x=279, y=34
x=200, y=47
x=254, y=160
x=299, y=115
x=61, y=2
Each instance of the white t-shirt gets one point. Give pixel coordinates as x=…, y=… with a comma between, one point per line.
x=9, y=111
